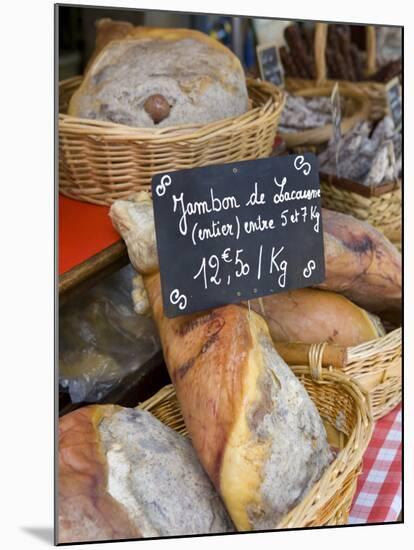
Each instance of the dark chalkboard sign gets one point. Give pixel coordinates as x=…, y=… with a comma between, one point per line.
x=269, y=64
x=394, y=101
x=237, y=231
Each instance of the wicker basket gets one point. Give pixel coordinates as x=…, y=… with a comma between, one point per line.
x=356, y=109
x=100, y=162
x=344, y=408
x=377, y=367
x=375, y=92
x=380, y=206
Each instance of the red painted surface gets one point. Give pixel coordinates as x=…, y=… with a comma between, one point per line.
x=84, y=230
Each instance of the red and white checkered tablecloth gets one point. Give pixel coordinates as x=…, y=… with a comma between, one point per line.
x=378, y=494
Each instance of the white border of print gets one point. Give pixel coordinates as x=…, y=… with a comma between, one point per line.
x=27, y=275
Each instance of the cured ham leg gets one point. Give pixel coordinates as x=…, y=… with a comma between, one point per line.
x=121, y=476
x=362, y=264
x=255, y=429
x=311, y=316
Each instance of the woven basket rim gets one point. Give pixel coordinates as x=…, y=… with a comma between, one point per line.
x=355, y=186
x=330, y=82
x=381, y=357
x=346, y=463
x=378, y=358
x=391, y=340
x=274, y=104
x=351, y=460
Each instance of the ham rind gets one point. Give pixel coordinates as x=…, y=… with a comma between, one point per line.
x=123, y=474
x=311, y=316
x=87, y=511
x=362, y=264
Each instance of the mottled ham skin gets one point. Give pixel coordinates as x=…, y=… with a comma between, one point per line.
x=87, y=512
x=311, y=316
x=362, y=264
x=210, y=397
x=121, y=476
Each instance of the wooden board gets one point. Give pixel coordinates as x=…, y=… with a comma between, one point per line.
x=91, y=270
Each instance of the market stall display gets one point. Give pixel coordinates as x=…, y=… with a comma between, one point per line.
x=366, y=262
x=231, y=428
x=361, y=264
x=183, y=364
x=265, y=407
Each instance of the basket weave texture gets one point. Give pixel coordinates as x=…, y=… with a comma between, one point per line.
x=375, y=92
x=100, y=162
x=345, y=410
x=377, y=367
x=383, y=210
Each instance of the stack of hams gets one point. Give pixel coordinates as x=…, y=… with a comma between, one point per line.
x=256, y=432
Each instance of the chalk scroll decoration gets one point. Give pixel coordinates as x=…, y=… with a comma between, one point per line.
x=228, y=233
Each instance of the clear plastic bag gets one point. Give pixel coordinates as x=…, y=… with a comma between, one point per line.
x=102, y=339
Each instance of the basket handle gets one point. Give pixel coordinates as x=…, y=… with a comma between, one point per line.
x=297, y=353
x=315, y=356
x=321, y=34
